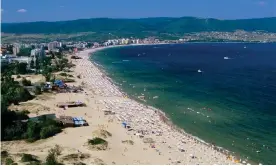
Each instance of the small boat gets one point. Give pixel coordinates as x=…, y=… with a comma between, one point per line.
x=199, y=71
x=244, y=47
x=226, y=57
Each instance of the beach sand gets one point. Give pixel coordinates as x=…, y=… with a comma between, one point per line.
x=157, y=143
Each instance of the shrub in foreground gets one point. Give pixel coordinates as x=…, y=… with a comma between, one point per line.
x=97, y=141
x=29, y=158
x=52, y=158
x=26, y=82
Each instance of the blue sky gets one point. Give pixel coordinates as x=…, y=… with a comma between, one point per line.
x=54, y=10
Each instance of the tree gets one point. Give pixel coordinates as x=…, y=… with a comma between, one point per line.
x=32, y=64
x=17, y=68
x=11, y=91
x=10, y=49
x=52, y=157
x=49, y=131
x=47, y=73
x=46, y=61
x=14, y=132
x=26, y=82
x=37, y=63
x=33, y=131
x=89, y=45
x=61, y=63
x=24, y=52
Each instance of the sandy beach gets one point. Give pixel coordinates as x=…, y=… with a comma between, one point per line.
x=153, y=141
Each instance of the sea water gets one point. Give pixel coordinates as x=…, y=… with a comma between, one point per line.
x=230, y=102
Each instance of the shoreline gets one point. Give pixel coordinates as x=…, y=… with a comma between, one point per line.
x=161, y=115
x=155, y=140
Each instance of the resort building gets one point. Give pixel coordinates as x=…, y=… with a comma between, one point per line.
x=53, y=45
x=16, y=49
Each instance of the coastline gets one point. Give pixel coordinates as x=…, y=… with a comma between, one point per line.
x=161, y=115
x=155, y=139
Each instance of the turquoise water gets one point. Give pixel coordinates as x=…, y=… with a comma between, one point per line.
x=230, y=102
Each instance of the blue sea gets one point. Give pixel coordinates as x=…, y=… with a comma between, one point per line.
x=223, y=93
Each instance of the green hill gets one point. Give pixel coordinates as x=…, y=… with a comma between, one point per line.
x=141, y=26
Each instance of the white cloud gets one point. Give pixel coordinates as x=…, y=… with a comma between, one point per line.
x=2, y=10
x=61, y=6
x=21, y=10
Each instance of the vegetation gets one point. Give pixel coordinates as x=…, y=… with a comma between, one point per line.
x=79, y=163
x=26, y=82
x=15, y=68
x=37, y=90
x=49, y=131
x=32, y=64
x=141, y=26
x=100, y=29
x=130, y=142
x=52, y=157
x=4, y=154
x=9, y=161
x=12, y=92
x=42, y=129
x=25, y=112
x=101, y=133
x=66, y=75
x=97, y=141
x=13, y=127
x=76, y=156
x=30, y=158
x=24, y=52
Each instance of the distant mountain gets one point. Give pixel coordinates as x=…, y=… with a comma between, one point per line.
x=141, y=27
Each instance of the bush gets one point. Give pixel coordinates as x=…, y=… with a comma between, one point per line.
x=49, y=131
x=25, y=112
x=67, y=80
x=15, y=131
x=4, y=154
x=51, y=158
x=43, y=129
x=97, y=141
x=79, y=163
x=18, y=76
x=22, y=115
x=9, y=161
x=26, y=82
x=33, y=130
x=37, y=90
x=57, y=150
x=63, y=74
x=29, y=158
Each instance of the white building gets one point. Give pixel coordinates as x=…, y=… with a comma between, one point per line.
x=16, y=49
x=35, y=52
x=53, y=45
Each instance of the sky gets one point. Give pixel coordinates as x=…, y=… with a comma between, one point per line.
x=56, y=10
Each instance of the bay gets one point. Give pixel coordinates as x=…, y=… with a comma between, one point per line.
x=223, y=93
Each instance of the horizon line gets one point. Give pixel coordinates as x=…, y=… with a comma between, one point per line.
x=137, y=19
